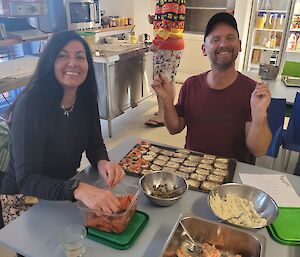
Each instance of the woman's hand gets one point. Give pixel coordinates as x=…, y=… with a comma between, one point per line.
x=111, y=172
x=96, y=199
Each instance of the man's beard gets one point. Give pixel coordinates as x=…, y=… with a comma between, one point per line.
x=220, y=65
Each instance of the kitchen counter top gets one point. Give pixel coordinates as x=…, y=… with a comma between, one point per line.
x=17, y=72
x=35, y=233
x=108, y=53
x=277, y=87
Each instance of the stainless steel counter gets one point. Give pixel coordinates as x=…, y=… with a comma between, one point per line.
x=123, y=72
x=124, y=75
x=35, y=233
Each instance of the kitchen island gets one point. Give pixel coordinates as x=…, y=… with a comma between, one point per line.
x=35, y=233
x=124, y=75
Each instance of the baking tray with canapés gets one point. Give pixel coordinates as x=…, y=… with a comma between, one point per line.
x=203, y=172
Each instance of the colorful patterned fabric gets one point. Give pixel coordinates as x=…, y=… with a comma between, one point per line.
x=167, y=61
x=13, y=206
x=4, y=142
x=168, y=24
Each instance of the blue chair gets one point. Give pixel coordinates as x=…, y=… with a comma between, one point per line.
x=291, y=138
x=276, y=115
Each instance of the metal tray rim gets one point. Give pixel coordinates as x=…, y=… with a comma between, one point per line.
x=182, y=216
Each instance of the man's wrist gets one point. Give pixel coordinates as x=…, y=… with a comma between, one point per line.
x=259, y=118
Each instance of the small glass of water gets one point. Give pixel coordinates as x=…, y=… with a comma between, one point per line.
x=72, y=238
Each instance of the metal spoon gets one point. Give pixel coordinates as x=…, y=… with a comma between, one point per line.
x=192, y=245
x=181, y=189
x=235, y=217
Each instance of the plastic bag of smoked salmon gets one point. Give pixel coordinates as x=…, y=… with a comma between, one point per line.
x=112, y=222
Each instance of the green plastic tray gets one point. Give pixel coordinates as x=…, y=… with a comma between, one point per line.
x=286, y=228
x=125, y=239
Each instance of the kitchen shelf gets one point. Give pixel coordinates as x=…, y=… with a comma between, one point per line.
x=293, y=51
x=206, y=8
x=129, y=27
x=278, y=11
x=275, y=30
x=295, y=30
x=12, y=40
x=266, y=48
x=9, y=41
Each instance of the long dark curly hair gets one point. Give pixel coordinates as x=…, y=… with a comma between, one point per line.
x=43, y=80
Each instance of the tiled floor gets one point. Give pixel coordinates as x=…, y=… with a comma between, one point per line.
x=131, y=123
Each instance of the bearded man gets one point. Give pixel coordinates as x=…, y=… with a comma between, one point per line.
x=224, y=111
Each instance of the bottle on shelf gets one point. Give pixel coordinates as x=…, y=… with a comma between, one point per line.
x=291, y=45
x=133, y=38
x=278, y=38
x=273, y=40
x=257, y=38
x=255, y=56
x=298, y=43
x=267, y=40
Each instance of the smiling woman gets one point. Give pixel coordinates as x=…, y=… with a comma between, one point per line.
x=52, y=123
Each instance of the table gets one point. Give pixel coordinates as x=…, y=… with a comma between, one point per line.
x=35, y=233
x=277, y=88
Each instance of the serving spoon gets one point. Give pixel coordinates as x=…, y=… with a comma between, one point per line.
x=192, y=245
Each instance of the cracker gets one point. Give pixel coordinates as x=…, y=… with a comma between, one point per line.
x=207, y=185
x=193, y=183
x=215, y=178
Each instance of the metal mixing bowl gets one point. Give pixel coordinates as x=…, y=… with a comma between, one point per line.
x=262, y=202
x=160, y=178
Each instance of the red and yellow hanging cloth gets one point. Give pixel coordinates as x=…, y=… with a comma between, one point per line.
x=168, y=24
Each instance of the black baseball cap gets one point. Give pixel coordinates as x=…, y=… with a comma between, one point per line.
x=222, y=17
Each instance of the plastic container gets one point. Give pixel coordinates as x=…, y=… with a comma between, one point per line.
x=292, y=42
x=112, y=222
x=125, y=239
x=260, y=20
x=280, y=21
x=271, y=21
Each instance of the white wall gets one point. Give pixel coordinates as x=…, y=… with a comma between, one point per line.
x=122, y=8
x=242, y=13
x=138, y=10
x=141, y=10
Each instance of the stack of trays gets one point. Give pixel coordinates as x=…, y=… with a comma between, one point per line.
x=286, y=228
x=203, y=172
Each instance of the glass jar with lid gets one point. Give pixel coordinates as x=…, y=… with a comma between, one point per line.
x=280, y=21
x=271, y=21
x=260, y=20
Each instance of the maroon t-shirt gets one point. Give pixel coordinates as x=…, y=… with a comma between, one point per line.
x=216, y=118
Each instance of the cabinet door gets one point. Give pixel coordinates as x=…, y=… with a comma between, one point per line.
x=192, y=62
